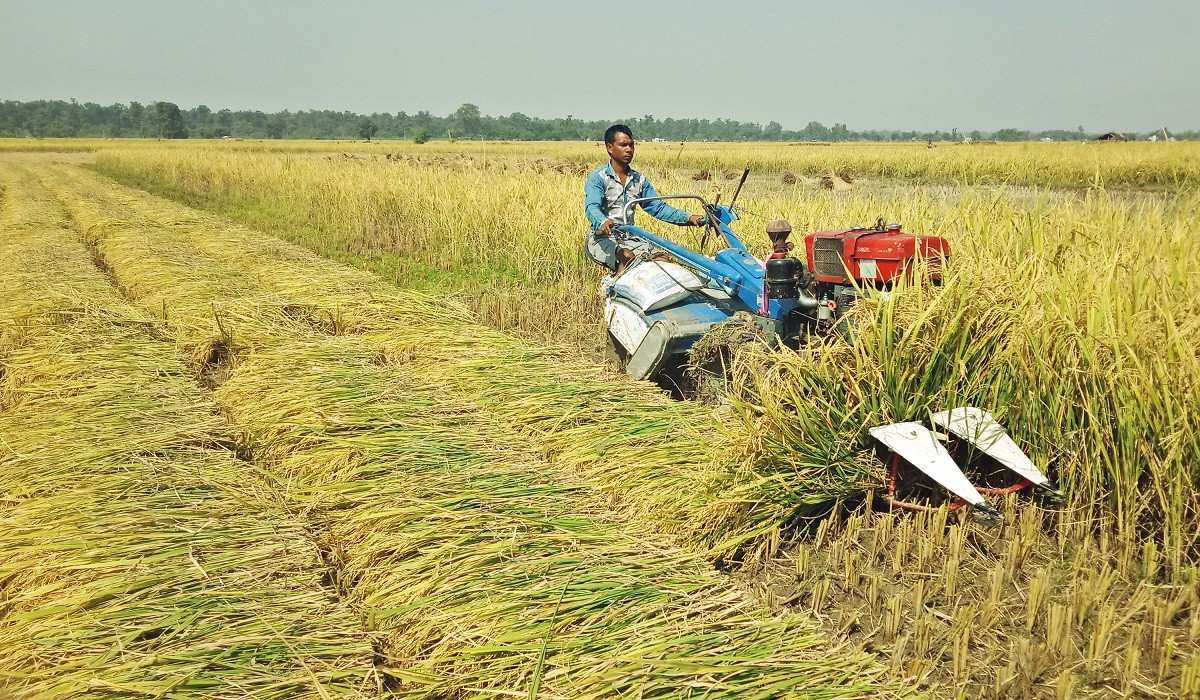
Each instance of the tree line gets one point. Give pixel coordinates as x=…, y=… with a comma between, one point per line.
x=68, y=119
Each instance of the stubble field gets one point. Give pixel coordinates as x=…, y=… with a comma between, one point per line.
x=330, y=420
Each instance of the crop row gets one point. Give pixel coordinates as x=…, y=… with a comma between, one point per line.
x=135, y=557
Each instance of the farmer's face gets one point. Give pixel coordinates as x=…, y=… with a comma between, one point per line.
x=621, y=149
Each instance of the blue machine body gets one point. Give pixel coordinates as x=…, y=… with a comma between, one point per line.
x=733, y=282
x=734, y=269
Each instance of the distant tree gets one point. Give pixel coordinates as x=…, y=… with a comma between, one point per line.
x=72, y=120
x=134, y=115
x=38, y=124
x=276, y=127
x=815, y=131
x=57, y=118
x=166, y=122
x=466, y=121
x=420, y=135
x=522, y=126
x=366, y=128
x=1011, y=135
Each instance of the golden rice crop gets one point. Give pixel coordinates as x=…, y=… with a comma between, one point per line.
x=475, y=563
x=662, y=460
x=48, y=145
x=1037, y=164
x=1070, y=313
x=1039, y=606
x=1166, y=165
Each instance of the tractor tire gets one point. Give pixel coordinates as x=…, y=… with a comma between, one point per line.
x=711, y=357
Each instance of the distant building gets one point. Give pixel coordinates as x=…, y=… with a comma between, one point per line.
x=1111, y=136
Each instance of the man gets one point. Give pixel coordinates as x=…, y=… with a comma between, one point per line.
x=607, y=192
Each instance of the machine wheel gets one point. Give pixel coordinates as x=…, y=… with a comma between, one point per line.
x=712, y=355
x=615, y=355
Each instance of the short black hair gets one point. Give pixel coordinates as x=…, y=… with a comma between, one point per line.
x=610, y=136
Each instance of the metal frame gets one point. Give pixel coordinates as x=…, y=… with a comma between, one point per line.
x=893, y=474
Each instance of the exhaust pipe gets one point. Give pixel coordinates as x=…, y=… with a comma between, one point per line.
x=806, y=302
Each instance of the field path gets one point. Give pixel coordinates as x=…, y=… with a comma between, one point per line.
x=451, y=479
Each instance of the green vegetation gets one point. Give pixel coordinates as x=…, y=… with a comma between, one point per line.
x=165, y=121
x=58, y=118
x=366, y=128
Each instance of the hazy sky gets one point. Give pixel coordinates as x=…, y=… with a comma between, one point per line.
x=919, y=64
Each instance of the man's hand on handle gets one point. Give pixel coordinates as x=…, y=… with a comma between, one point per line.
x=695, y=220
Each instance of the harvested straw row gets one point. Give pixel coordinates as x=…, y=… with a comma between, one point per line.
x=483, y=572
x=135, y=557
x=659, y=459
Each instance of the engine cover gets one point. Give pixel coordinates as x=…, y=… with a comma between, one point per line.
x=870, y=256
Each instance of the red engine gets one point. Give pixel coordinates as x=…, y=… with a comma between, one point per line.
x=872, y=256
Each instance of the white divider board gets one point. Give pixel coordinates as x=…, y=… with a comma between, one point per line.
x=653, y=284
x=981, y=429
x=917, y=444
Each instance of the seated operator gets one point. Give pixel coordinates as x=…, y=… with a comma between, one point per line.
x=608, y=189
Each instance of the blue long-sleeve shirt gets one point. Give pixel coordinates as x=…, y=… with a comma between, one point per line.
x=605, y=198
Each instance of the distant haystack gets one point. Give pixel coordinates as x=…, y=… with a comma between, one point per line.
x=833, y=180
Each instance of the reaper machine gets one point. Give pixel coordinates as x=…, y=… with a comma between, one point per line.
x=670, y=298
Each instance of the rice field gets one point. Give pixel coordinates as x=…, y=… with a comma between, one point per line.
x=461, y=560
x=354, y=389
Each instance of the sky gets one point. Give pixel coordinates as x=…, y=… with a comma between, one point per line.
x=915, y=65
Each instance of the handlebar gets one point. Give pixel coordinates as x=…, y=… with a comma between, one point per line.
x=634, y=202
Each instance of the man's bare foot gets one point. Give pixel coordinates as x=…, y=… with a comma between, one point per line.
x=625, y=258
